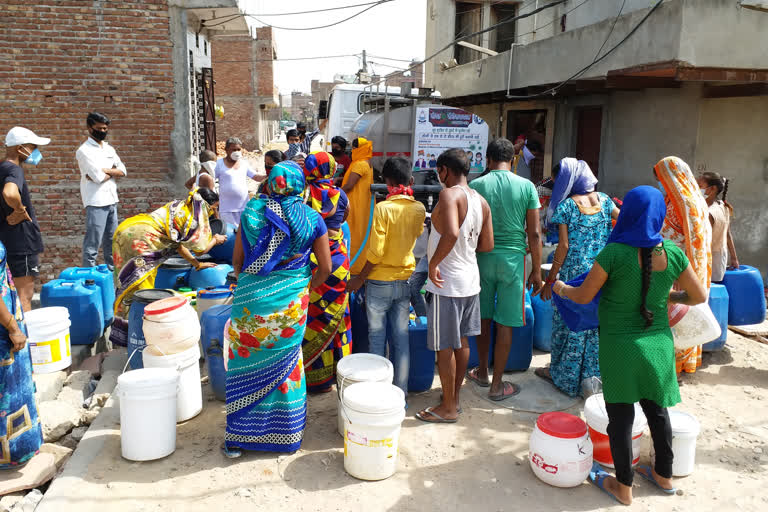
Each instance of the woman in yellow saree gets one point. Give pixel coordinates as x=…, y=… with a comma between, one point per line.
x=142, y=242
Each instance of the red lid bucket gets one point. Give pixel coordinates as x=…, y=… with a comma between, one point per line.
x=562, y=425
x=163, y=306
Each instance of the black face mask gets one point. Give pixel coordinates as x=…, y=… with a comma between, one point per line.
x=337, y=152
x=98, y=136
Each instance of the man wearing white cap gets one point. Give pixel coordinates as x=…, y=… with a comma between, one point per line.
x=19, y=231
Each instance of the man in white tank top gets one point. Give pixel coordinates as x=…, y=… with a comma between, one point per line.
x=461, y=225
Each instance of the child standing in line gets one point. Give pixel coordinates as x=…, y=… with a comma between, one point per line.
x=397, y=223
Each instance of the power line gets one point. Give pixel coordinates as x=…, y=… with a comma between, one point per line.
x=233, y=16
x=610, y=32
x=294, y=58
x=376, y=4
x=536, y=29
x=554, y=89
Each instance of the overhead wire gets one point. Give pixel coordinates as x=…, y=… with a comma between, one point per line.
x=380, y=2
x=553, y=90
x=536, y=29
x=231, y=17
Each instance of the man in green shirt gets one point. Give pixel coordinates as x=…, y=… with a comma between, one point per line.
x=514, y=205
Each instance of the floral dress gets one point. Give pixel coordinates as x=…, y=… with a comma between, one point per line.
x=575, y=354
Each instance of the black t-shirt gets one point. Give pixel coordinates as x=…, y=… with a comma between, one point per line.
x=23, y=238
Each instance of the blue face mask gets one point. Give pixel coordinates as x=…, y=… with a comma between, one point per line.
x=34, y=157
x=661, y=187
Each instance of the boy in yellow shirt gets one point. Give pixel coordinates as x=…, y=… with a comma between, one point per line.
x=397, y=223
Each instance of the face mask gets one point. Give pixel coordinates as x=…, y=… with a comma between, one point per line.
x=661, y=187
x=337, y=152
x=98, y=136
x=704, y=193
x=34, y=157
x=209, y=166
x=236, y=155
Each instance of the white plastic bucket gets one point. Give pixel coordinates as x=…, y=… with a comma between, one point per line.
x=356, y=368
x=172, y=325
x=597, y=421
x=560, y=450
x=685, y=430
x=48, y=339
x=190, y=399
x=373, y=413
x=148, y=413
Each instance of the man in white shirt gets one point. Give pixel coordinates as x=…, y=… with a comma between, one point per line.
x=99, y=168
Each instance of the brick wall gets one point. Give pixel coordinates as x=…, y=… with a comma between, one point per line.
x=65, y=58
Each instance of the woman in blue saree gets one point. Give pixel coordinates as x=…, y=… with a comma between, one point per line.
x=20, y=432
x=266, y=387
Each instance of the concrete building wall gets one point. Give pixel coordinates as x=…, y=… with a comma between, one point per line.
x=732, y=140
x=65, y=59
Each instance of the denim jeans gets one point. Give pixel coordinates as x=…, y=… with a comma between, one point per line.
x=416, y=283
x=387, y=305
x=100, y=226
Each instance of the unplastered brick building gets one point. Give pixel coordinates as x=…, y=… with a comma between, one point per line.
x=145, y=64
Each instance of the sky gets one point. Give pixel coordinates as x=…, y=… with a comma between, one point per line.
x=395, y=29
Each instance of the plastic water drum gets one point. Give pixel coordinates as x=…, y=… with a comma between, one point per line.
x=136, y=341
x=48, y=337
x=212, y=323
x=718, y=303
x=189, y=402
x=103, y=278
x=597, y=421
x=560, y=450
x=542, y=326
x=172, y=325
x=373, y=413
x=82, y=298
x=521, y=352
x=148, y=413
x=210, y=277
x=359, y=319
x=173, y=274
x=746, y=304
x=356, y=368
x=223, y=253
x=421, y=372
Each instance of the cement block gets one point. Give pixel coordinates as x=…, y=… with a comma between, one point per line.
x=58, y=417
x=48, y=385
x=60, y=454
x=76, y=388
x=80, y=353
x=115, y=361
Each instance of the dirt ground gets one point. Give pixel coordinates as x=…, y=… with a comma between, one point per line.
x=478, y=463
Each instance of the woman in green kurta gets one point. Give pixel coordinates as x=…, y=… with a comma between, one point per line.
x=636, y=271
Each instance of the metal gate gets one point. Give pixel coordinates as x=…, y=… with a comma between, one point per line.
x=209, y=109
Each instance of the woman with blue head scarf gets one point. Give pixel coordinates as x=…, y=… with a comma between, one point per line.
x=635, y=272
x=266, y=388
x=582, y=220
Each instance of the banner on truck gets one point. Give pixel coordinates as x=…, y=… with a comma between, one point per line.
x=441, y=128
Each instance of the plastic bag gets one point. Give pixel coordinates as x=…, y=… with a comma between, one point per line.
x=578, y=317
x=697, y=327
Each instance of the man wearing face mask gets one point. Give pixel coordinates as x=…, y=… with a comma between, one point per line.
x=339, y=152
x=233, y=171
x=19, y=231
x=99, y=168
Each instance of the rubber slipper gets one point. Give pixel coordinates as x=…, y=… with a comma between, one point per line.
x=433, y=417
x=231, y=454
x=647, y=473
x=472, y=375
x=504, y=394
x=544, y=373
x=458, y=409
x=597, y=477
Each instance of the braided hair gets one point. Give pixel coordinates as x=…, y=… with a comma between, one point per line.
x=647, y=264
x=714, y=179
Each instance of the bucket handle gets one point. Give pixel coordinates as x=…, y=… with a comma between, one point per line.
x=340, y=394
x=137, y=349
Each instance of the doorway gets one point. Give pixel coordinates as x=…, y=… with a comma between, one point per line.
x=589, y=125
x=531, y=124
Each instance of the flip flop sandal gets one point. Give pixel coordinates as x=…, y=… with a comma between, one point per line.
x=647, y=473
x=428, y=413
x=458, y=409
x=471, y=375
x=234, y=453
x=504, y=395
x=543, y=373
x=597, y=477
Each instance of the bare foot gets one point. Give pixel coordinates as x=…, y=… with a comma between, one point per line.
x=622, y=492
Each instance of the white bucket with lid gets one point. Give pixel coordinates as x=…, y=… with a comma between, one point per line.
x=172, y=325
x=48, y=337
x=373, y=413
x=190, y=396
x=356, y=368
x=148, y=413
x=597, y=421
x=685, y=431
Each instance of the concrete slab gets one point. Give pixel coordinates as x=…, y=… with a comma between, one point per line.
x=34, y=473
